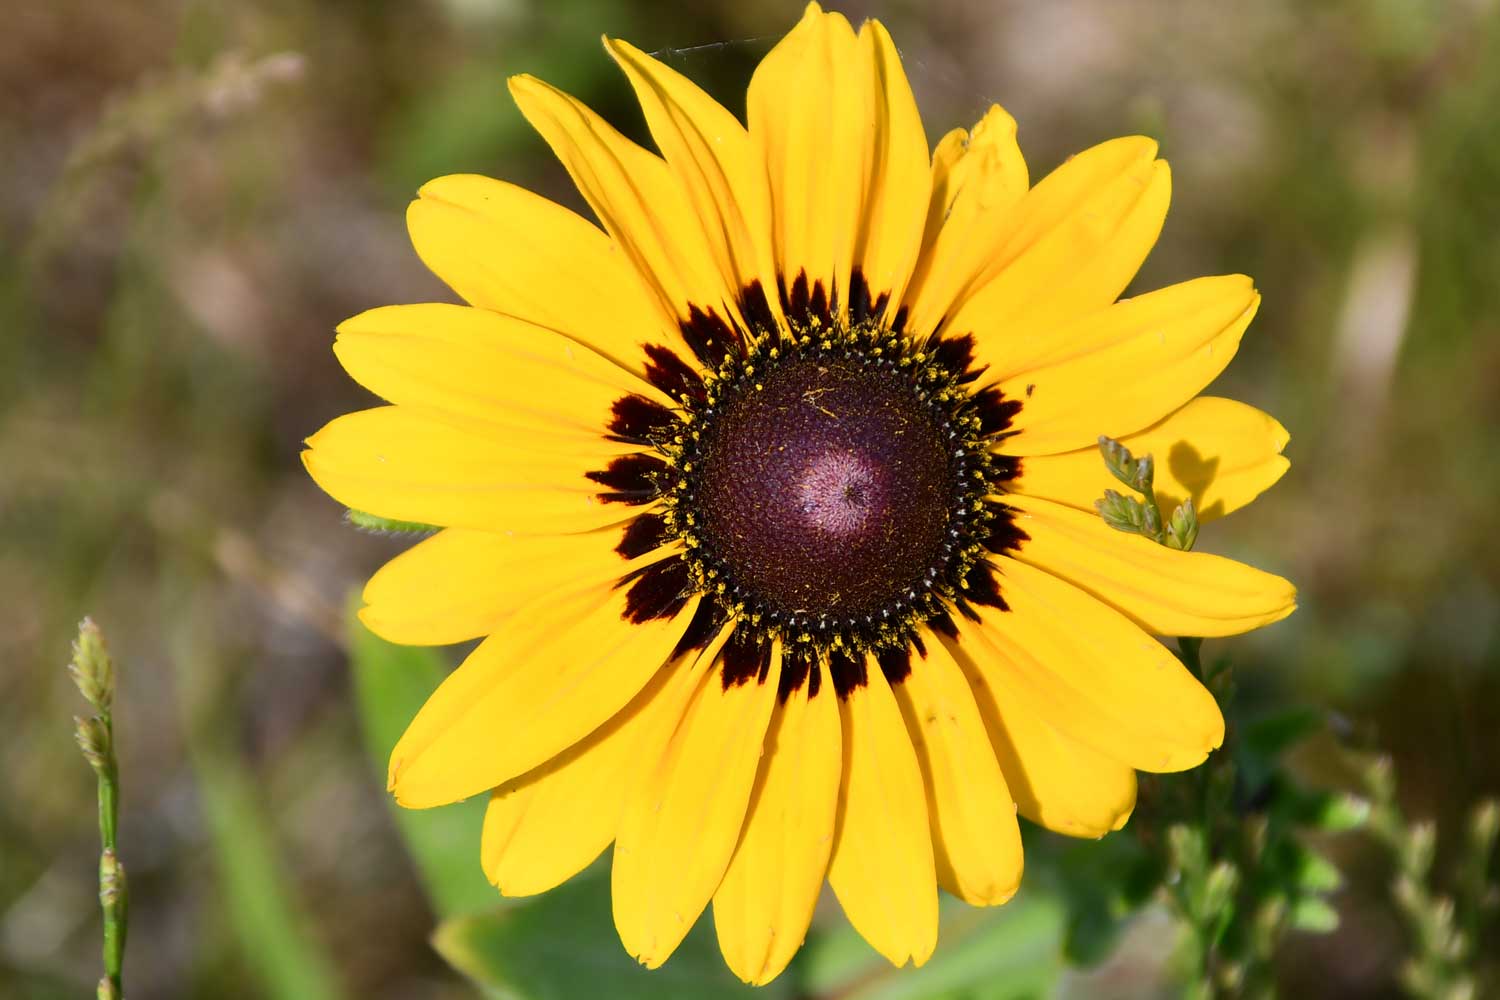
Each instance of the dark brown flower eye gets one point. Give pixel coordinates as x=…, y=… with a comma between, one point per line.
x=823, y=485
x=835, y=489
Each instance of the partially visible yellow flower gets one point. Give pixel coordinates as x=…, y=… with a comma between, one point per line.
x=772, y=501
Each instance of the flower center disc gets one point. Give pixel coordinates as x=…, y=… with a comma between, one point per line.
x=824, y=489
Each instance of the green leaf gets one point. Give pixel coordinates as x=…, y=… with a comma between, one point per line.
x=1273, y=735
x=562, y=946
x=1091, y=936
x=1315, y=873
x=1102, y=883
x=1005, y=953
x=391, y=682
x=1314, y=915
x=274, y=948
x=1335, y=813
x=259, y=897
x=385, y=525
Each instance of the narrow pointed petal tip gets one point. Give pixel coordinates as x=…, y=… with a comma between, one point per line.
x=392, y=778
x=522, y=81
x=406, y=793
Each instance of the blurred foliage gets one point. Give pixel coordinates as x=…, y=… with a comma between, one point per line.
x=1446, y=931
x=197, y=193
x=563, y=946
x=1232, y=844
x=391, y=683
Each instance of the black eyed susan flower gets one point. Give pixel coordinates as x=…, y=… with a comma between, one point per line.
x=772, y=501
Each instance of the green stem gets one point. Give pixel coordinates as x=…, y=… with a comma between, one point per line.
x=1206, y=912
x=109, y=796
x=1192, y=650
x=1153, y=512
x=113, y=895
x=94, y=673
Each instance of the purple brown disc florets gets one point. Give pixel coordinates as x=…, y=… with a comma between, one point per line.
x=823, y=486
x=834, y=490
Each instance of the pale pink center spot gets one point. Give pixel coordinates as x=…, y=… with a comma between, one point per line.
x=838, y=493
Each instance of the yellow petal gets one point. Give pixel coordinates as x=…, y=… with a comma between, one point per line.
x=1164, y=591
x=975, y=839
x=1064, y=200
x=549, y=824
x=461, y=584
x=882, y=867
x=765, y=903
x=1160, y=350
x=978, y=181
x=809, y=118
x=1220, y=452
x=682, y=823
x=1060, y=199
x=1057, y=781
x=398, y=463
x=482, y=368
x=1094, y=674
x=1077, y=243
x=710, y=153
x=505, y=249
x=900, y=179
x=1120, y=323
x=546, y=678
x=636, y=197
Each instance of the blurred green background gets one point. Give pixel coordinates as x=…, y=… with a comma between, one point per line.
x=195, y=193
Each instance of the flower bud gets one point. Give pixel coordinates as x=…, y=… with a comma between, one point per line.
x=1484, y=827
x=93, y=740
x=1118, y=460
x=1182, y=529
x=1121, y=512
x=1145, y=474
x=92, y=669
x=112, y=888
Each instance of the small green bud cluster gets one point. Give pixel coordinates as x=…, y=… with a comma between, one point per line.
x=1143, y=516
x=1444, y=929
